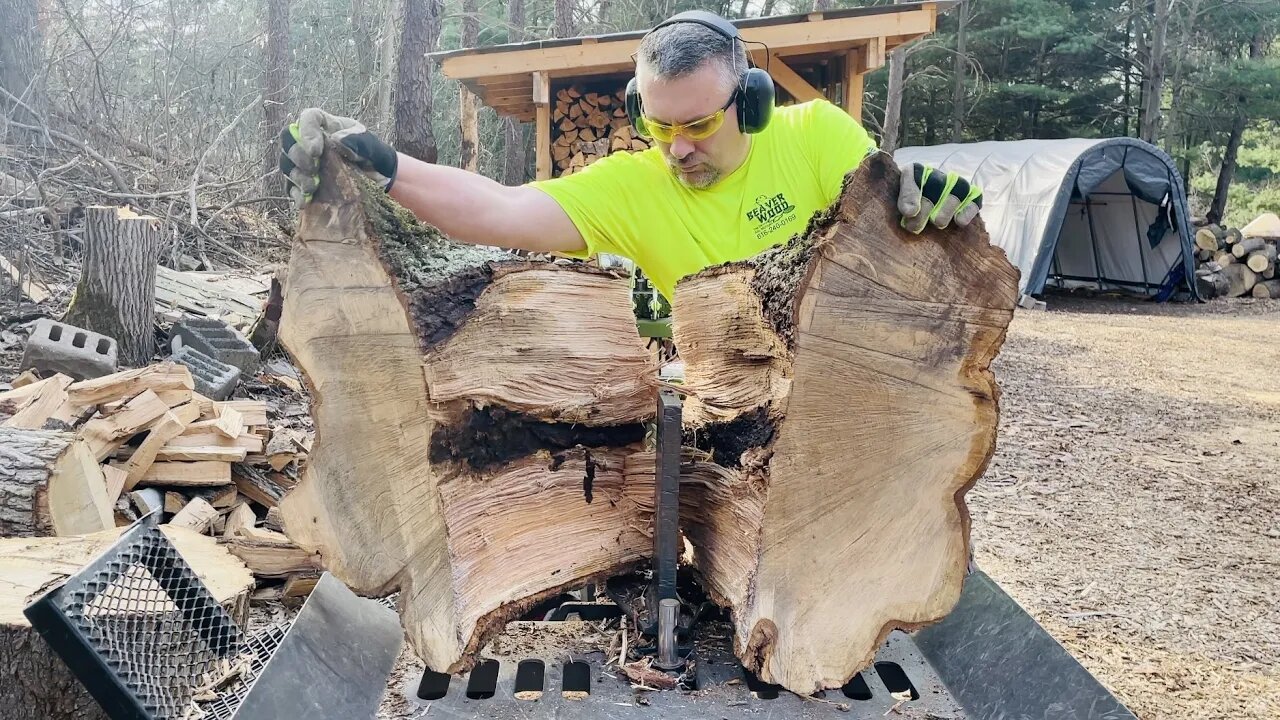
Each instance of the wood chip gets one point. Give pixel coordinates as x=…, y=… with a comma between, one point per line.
x=230, y=423
x=241, y=517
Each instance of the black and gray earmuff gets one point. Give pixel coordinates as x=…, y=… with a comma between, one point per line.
x=755, y=87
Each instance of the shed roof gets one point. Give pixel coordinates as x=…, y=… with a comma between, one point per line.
x=501, y=74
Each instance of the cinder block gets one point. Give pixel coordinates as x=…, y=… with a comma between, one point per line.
x=56, y=347
x=215, y=380
x=218, y=340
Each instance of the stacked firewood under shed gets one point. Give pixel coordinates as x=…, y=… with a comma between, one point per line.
x=89, y=456
x=586, y=126
x=1230, y=263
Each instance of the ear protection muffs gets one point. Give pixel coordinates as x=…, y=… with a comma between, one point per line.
x=755, y=97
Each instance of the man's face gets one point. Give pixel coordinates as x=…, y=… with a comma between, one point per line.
x=697, y=163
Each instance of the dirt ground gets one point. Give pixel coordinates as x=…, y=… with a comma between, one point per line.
x=1133, y=503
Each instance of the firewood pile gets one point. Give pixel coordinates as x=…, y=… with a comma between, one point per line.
x=1234, y=262
x=586, y=126
x=97, y=454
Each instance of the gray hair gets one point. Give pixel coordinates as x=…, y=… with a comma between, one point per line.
x=677, y=50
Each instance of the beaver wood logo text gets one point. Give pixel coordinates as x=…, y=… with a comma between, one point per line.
x=771, y=213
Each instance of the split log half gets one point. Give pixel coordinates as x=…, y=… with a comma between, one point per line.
x=841, y=385
x=38, y=685
x=50, y=484
x=472, y=412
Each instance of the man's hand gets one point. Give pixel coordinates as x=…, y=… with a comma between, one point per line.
x=302, y=143
x=929, y=195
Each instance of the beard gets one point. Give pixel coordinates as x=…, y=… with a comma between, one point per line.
x=699, y=177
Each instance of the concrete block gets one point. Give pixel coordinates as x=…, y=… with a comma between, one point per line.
x=55, y=347
x=1028, y=302
x=218, y=340
x=215, y=380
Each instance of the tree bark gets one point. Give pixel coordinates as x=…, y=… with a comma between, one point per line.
x=362, y=20
x=21, y=53
x=775, y=350
x=515, y=161
x=961, y=60
x=413, y=133
x=893, y=103
x=50, y=484
x=565, y=24
x=476, y=408
x=275, y=94
x=1153, y=79
x=1230, y=156
x=387, y=64
x=1173, y=128
x=38, y=685
x=116, y=295
x=468, y=103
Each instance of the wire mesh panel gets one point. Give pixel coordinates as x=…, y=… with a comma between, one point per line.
x=140, y=631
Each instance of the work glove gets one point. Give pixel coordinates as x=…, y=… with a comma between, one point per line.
x=930, y=195
x=303, y=142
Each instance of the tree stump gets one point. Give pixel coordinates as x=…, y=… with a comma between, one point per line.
x=116, y=295
x=840, y=388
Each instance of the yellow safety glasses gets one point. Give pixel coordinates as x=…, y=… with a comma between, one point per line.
x=700, y=129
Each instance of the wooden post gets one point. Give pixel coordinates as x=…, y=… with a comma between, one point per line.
x=117, y=292
x=542, y=101
x=853, y=84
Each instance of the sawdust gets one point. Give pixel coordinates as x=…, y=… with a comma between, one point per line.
x=1132, y=505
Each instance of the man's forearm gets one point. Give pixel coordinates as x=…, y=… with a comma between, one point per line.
x=471, y=208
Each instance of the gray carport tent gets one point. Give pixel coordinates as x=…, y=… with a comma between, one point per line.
x=1109, y=213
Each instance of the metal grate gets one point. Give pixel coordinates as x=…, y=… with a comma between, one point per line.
x=258, y=649
x=140, y=630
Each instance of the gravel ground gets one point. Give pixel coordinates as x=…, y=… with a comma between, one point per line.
x=1133, y=506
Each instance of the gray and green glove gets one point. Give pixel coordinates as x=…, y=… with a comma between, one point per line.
x=928, y=195
x=302, y=143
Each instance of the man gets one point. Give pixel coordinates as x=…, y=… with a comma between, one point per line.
x=730, y=175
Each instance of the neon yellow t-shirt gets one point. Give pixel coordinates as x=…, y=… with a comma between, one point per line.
x=630, y=204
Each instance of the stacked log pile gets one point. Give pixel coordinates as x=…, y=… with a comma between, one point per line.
x=89, y=456
x=1231, y=263
x=586, y=126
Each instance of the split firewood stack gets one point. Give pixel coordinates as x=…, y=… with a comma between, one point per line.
x=586, y=126
x=1235, y=262
x=89, y=456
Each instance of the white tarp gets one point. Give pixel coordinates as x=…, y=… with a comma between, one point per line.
x=1034, y=204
